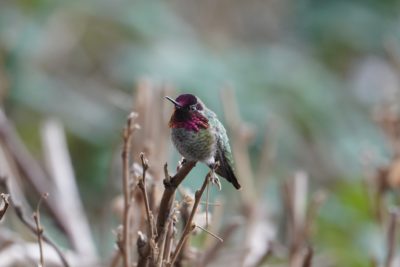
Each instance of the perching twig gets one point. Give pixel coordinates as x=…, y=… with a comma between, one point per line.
x=171, y=184
x=39, y=228
x=189, y=225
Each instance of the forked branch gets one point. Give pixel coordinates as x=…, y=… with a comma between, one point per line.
x=171, y=184
x=189, y=225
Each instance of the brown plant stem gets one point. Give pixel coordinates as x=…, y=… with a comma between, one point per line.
x=169, y=240
x=142, y=186
x=189, y=225
x=127, y=137
x=171, y=184
x=31, y=227
x=39, y=228
x=151, y=247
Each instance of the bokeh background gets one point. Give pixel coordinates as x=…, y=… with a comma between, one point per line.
x=310, y=79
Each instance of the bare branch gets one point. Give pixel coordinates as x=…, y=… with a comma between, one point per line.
x=171, y=184
x=31, y=227
x=127, y=137
x=169, y=239
x=189, y=225
x=142, y=186
x=150, y=219
x=39, y=228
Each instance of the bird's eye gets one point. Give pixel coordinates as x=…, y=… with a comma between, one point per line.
x=192, y=107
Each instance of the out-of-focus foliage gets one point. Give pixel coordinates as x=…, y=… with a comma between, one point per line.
x=311, y=70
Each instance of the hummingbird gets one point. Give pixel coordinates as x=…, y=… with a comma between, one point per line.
x=198, y=135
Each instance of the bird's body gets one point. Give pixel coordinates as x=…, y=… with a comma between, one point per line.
x=198, y=135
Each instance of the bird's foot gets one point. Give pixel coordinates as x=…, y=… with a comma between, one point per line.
x=213, y=177
x=181, y=163
x=215, y=181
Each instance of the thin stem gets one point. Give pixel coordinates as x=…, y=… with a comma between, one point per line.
x=39, y=228
x=31, y=227
x=142, y=186
x=210, y=233
x=127, y=136
x=189, y=225
x=171, y=184
x=169, y=240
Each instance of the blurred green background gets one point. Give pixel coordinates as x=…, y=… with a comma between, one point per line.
x=308, y=73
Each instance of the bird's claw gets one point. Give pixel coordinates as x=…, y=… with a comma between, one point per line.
x=215, y=181
x=181, y=163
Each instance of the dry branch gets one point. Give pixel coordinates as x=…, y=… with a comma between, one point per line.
x=150, y=219
x=189, y=225
x=126, y=242
x=171, y=184
x=31, y=226
x=39, y=228
x=142, y=186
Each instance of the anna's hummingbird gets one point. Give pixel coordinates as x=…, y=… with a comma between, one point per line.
x=199, y=136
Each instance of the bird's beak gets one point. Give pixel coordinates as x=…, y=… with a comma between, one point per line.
x=177, y=105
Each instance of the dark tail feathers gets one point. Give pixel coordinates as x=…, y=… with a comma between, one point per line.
x=226, y=171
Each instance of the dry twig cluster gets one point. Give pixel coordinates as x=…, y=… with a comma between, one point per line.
x=159, y=216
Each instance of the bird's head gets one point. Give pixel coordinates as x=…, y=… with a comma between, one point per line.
x=189, y=113
x=187, y=103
